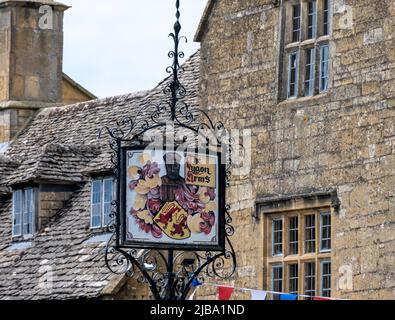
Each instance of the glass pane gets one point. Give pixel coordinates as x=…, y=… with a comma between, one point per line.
x=277, y=280
x=17, y=208
x=310, y=233
x=324, y=68
x=310, y=68
x=312, y=19
x=108, y=190
x=293, y=278
x=96, y=191
x=293, y=74
x=108, y=197
x=28, y=212
x=296, y=23
x=293, y=235
x=107, y=211
x=325, y=231
x=309, y=280
x=277, y=231
x=96, y=204
x=326, y=279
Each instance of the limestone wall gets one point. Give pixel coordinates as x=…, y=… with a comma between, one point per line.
x=343, y=140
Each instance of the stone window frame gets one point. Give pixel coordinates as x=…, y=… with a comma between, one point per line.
x=301, y=258
x=287, y=47
x=102, y=180
x=22, y=234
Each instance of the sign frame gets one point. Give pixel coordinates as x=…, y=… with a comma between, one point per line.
x=122, y=211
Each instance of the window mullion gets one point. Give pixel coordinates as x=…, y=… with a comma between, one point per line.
x=285, y=237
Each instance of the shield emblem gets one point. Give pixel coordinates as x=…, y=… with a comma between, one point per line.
x=172, y=219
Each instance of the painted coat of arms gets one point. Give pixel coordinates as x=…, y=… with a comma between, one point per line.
x=172, y=198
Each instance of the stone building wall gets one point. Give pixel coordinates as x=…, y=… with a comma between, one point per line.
x=343, y=140
x=31, y=56
x=71, y=94
x=34, y=54
x=12, y=121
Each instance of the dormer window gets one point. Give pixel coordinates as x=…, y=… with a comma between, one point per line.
x=102, y=195
x=23, y=213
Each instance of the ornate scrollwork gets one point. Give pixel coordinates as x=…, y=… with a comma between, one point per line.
x=170, y=275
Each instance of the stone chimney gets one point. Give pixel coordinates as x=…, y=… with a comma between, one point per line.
x=31, y=54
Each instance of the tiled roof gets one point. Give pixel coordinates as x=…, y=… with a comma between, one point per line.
x=61, y=144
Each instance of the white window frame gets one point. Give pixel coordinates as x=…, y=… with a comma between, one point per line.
x=322, y=214
x=299, y=30
x=329, y=18
x=14, y=214
x=314, y=19
x=282, y=237
x=323, y=63
x=289, y=236
x=311, y=80
x=307, y=231
x=103, y=214
x=296, y=94
x=24, y=213
x=293, y=278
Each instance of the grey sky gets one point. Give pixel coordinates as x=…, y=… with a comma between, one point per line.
x=120, y=46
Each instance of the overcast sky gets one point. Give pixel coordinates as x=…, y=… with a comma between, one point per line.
x=120, y=46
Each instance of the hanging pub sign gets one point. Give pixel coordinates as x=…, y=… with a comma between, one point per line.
x=172, y=200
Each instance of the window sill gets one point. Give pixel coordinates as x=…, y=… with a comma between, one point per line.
x=17, y=239
x=275, y=260
x=99, y=230
x=19, y=246
x=319, y=98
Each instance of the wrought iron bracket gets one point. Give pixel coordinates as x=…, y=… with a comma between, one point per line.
x=170, y=275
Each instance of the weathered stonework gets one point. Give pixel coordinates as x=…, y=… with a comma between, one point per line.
x=72, y=92
x=34, y=68
x=31, y=57
x=30, y=62
x=52, y=198
x=341, y=141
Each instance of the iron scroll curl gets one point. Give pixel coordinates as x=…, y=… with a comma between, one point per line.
x=169, y=273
